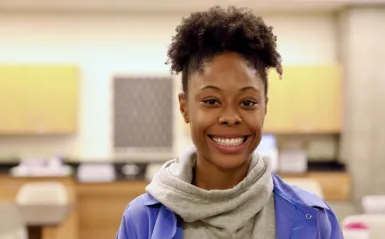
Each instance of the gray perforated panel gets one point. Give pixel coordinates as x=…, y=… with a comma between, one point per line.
x=142, y=113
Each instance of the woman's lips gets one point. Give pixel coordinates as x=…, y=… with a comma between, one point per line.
x=229, y=144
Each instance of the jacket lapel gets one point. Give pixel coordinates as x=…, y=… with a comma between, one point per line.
x=294, y=221
x=166, y=224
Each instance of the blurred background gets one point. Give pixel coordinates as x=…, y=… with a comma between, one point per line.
x=88, y=109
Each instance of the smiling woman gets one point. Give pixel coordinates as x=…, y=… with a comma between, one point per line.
x=220, y=188
x=225, y=106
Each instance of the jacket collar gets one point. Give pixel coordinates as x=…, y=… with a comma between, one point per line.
x=150, y=201
x=297, y=196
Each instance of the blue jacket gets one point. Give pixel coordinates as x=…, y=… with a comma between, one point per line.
x=298, y=215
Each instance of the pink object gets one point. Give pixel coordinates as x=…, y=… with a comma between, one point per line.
x=356, y=230
x=357, y=225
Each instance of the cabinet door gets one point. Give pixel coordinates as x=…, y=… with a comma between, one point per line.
x=13, y=91
x=280, y=105
x=52, y=99
x=307, y=100
x=327, y=98
x=302, y=85
x=319, y=99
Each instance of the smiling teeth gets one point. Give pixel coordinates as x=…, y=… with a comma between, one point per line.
x=228, y=142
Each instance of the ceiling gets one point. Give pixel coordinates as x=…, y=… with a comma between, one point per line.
x=175, y=5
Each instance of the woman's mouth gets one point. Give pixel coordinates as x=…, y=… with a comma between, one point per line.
x=229, y=141
x=229, y=144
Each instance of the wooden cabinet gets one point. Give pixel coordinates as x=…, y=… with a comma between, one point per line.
x=13, y=102
x=307, y=100
x=53, y=99
x=38, y=99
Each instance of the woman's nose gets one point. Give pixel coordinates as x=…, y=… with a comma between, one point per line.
x=230, y=120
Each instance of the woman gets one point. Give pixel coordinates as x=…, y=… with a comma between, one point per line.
x=220, y=188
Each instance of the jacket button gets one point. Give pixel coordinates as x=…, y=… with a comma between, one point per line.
x=308, y=216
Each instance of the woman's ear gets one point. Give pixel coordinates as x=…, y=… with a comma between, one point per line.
x=183, y=107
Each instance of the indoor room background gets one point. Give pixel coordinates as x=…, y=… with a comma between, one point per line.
x=86, y=86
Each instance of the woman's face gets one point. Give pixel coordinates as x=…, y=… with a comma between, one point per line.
x=225, y=107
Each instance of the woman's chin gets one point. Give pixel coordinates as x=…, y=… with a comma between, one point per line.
x=228, y=161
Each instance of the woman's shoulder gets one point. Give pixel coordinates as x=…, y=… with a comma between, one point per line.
x=136, y=218
x=140, y=219
x=137, y=208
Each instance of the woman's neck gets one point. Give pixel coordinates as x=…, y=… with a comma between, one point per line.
x=210, y=177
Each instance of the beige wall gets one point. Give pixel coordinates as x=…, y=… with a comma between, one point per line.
x=103, y=45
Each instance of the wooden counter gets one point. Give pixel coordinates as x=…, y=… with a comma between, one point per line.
x=99, y=206
x=336, y=186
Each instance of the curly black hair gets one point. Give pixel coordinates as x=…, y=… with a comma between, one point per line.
x=204, y=35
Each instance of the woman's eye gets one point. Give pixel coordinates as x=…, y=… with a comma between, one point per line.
x=248, y=103
x=210, y=101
